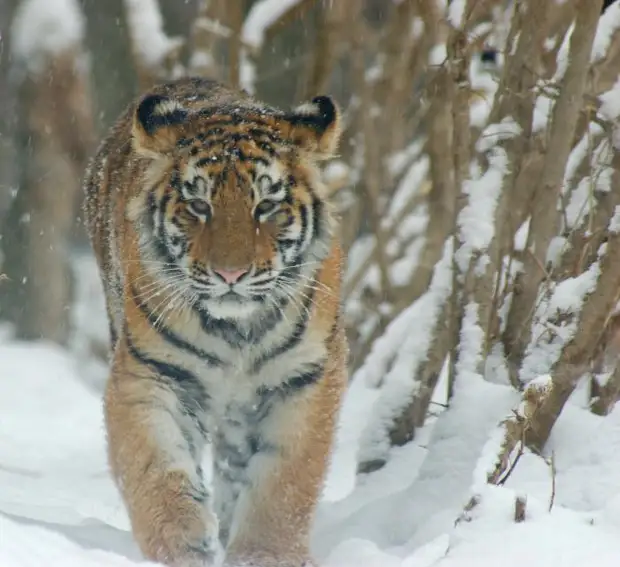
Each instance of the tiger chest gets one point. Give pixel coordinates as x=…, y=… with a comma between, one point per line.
x=252, y=377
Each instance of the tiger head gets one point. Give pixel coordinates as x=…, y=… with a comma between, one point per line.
x=232, y=213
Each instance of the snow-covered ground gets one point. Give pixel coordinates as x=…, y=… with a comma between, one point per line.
x=59, y=508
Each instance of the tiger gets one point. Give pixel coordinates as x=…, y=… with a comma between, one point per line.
x=216, y=244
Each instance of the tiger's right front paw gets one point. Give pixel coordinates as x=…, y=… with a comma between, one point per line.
x=179, y=533
x=204, y=553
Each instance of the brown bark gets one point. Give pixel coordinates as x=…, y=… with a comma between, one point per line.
x=603, y=397
x=441, y=198
x=55, y=137
x=578, y=353
x=458, y=54
x=584, y=241
x=455, y=100
x=234, y=20
x=203, y=41
x=544, y=223
x=515, y=98
x=333, y=17
x=7, y=109
x=149, y=70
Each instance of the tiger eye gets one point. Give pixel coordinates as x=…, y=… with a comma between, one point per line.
x=265, y=208
x=199, y=208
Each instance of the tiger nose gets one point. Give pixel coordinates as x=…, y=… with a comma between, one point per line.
x=231, y=276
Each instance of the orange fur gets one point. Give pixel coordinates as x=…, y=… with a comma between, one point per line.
x=180, y=370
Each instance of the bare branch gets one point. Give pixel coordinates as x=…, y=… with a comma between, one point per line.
x=156, y=56
x=579, y=351
x=544, y=221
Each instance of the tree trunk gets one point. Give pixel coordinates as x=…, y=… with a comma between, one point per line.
x=54, y=138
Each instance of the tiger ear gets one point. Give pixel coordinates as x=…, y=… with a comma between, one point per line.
x=157, y=124
x=315, y=126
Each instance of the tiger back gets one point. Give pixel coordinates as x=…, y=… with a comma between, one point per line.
x=216, y=245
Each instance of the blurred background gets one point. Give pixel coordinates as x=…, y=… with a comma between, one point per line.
x=477, y=178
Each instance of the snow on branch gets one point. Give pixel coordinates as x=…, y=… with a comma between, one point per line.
x=396, y=358
x=476, y=220
x=43, y=29
x=555, y=322
x=155, y=53
x=505, y=447
x=578, y=352
x=545, y=216
x=506, y=443
x=608, y=27
x=262, y=16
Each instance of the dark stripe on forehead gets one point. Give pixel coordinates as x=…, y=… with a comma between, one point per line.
x=227, y=119
x=169, y=335
x=222, y=157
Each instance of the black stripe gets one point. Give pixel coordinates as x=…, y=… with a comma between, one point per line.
x=218, y=134
x=156, y=225
x=270, y=396
x=175, y=178
x=113, y=335
x=170, y=336
x=259, y=133
x=301, y=381
x=222, y=328
x=227, y=117
x=303, y=217
x=317, y=211
x=242, y=156
x=253, y=159
x=188, y=382
x=288, y=242
x=293, y=340
x=238, y=336
x=185, y=142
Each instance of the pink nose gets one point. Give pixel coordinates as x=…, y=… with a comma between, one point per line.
x=230, y=276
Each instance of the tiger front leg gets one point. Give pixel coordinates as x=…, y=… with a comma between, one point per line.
x=156, y=465
x=274, y=512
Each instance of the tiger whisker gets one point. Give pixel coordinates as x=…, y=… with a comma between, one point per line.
x=292, y=294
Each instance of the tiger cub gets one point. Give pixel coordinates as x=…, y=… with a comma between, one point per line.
x=216, y=247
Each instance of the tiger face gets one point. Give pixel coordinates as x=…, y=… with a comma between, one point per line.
x=232, y=215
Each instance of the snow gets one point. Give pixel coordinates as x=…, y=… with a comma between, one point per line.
x=396, y=357
x=614, y=223
x=555, y=321
x=44, y=28
x=59, y=508
x=583, y=197
x=147, y=29
x=542, y=112
x=608, y=26
x=563, y=56
x=610, y=103
x=456, y=11
x=261, y=17
x=476, y=219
